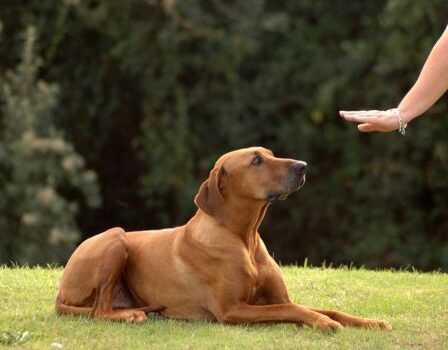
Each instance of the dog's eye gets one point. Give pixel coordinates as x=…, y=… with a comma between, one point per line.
x=257, y=160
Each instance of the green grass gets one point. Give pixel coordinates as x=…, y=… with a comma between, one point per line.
x=415, y=304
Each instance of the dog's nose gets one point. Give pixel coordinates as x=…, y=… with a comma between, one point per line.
x=300, y=167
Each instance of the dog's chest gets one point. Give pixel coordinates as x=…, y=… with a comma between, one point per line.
x=253, y=279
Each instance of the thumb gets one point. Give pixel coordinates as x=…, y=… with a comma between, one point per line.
x=366, y=127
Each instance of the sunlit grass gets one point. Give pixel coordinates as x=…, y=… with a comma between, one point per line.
x=415, y=304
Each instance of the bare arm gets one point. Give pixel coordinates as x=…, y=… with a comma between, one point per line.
x=429, y=87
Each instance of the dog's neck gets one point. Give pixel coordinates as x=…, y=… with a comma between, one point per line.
x=240, y=216
x=243, y=217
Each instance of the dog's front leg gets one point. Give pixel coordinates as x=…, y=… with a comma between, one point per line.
x=353, y=321
x=245, y=313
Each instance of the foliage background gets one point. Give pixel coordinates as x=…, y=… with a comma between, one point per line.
x=152, y=92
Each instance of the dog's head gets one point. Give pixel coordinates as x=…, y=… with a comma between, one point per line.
x=250, y=174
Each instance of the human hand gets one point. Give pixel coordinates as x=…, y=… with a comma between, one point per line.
x=384, y=121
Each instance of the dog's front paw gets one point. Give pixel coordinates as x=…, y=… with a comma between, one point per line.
x=325, y=323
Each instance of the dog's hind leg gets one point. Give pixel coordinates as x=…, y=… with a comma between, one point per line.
x=92, y=274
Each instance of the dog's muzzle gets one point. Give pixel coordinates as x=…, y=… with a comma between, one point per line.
x=293, y=181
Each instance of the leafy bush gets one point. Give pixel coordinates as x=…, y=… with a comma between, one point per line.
x=152, y=92
x=40, y=172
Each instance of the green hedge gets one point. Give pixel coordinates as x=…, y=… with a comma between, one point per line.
x=153, y=92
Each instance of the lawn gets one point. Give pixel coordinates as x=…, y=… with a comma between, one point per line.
x=415, y=304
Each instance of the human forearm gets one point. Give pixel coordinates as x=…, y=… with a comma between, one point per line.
x=430, y=85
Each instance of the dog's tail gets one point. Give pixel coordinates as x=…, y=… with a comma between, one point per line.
x=63, y=309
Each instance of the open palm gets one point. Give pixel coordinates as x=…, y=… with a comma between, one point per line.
x=372, y=120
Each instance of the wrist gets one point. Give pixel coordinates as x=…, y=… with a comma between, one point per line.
x=406, y=114
x=401, y=124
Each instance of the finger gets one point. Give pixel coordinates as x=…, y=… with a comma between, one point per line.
x=361, y=119
x=370, y=113
x=366, y=127
x=362, y=111
x=352, y=112
x=345, y=113
x=357, y=111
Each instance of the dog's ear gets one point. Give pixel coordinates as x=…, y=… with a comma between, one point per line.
x=210, y=198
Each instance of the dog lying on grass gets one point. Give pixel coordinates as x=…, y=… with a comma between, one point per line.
x=215, y=267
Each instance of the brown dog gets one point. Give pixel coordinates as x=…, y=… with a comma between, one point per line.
x=216, y=267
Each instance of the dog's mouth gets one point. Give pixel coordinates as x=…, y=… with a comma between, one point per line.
x=271, y=198
x=274, y=197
